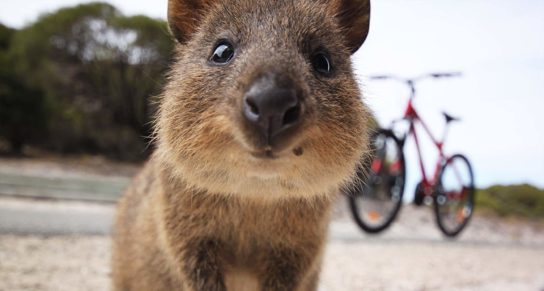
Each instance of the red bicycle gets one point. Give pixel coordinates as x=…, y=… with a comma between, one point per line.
x=376, y=199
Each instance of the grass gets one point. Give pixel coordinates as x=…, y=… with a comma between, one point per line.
x=523, y=201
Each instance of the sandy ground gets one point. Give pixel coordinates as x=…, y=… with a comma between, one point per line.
x=412, y=255
x=81, y=263
x=64, y=245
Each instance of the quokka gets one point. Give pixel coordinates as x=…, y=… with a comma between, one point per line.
x=260, y=124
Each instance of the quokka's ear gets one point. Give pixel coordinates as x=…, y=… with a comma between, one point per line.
x=184, y=17
x=354, y=18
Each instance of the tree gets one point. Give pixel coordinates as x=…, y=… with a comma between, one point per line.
x=22, y=108
x=98, y=70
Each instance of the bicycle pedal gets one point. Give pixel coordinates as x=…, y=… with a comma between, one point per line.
x=419, y=196
x=418, y=200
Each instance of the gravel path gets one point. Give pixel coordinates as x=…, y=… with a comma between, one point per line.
x=378, y=265
x=81, y=263
x=412, y=255
x=64, y=245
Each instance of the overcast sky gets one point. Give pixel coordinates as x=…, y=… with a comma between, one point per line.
x=498, y=45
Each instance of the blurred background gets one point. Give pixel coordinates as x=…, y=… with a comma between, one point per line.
x=78, y=85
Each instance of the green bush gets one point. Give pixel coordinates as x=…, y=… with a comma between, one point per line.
x=93, y=72
x=522, y=200
x=23, y=110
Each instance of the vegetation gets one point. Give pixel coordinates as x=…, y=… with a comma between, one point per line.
x=22, y=108
x=522, y=200
x=80, y=80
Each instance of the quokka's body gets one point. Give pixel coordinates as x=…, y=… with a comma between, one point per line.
x=259, y=126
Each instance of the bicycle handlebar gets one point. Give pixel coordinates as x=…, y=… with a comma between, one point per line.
x=445, y=75
x=411, y=82
x=431, y=75
x=381, y=77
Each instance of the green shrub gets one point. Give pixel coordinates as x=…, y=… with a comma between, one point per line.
x=522, y=200
x=23, y=110
x=94, y=70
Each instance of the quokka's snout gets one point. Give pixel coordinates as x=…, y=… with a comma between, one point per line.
x=274, y=109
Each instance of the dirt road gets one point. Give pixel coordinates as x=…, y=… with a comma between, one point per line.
x=63, y=245
x=81, y=263
x=491, y=255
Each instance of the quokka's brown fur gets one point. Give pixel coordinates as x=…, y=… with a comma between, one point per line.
x=206, y=212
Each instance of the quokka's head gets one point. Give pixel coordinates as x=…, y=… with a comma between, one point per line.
x=262, y=100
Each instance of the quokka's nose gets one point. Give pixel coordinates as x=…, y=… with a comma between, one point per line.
x=272, y=105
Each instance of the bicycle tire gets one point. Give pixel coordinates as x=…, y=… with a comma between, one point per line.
x=355, y=193
x=439, y=194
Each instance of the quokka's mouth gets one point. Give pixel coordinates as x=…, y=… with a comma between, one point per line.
x=265, y=154
x=272, y=155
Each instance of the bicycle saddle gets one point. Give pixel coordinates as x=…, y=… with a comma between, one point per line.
x=450, y=118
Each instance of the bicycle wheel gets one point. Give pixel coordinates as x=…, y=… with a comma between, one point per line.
x=376, y=197
x=454, y=195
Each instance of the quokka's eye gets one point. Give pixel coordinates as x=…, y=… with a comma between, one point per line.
x=322, y=63
x=222, y=53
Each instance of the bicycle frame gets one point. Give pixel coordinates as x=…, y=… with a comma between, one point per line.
x=413, y=117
